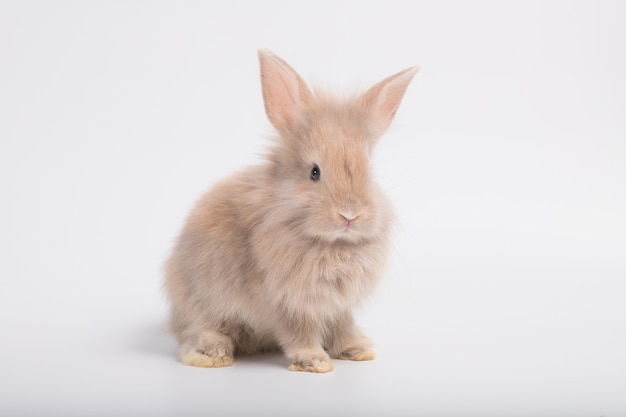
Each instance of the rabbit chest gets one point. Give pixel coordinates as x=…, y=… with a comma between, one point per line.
x=323, y=279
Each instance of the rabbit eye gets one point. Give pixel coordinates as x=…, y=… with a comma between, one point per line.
x=315, y=173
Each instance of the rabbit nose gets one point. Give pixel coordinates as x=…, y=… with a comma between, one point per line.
x=348, y=216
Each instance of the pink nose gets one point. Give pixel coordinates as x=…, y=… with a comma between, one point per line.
x=348, y=216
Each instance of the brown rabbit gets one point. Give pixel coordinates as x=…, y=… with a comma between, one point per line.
x=277, y=256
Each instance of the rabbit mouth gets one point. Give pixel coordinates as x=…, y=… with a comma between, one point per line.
x=350, y=230
x=342, y=232
x=342, y=226
x=348, y=226
x=349, y=220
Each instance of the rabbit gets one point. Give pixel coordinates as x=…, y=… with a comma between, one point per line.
x=277, y=256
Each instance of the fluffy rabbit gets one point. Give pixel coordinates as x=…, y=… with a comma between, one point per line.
x=277, y=256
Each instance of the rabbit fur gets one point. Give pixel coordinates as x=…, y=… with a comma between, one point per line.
x=277, y=256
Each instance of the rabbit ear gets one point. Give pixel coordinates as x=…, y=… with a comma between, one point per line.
x=383, y=99
x=284, y=92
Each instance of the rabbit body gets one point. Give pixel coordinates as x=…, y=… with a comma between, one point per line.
x=278, y=256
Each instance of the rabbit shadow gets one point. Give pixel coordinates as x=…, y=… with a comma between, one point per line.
x=263, y=359
x=154, y=340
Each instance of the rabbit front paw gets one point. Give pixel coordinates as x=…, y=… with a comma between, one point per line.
x=357, y=354
x=212, y=355
x=201, y=360
x=311, y=362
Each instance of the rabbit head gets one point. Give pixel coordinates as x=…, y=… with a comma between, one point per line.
x=321, y=160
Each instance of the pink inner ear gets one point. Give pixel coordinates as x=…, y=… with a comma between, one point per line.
x=284, y=100
x=284, y=92
x=384, y=98
x=388, y=104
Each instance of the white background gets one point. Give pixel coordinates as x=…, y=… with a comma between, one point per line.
x=506, y=289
